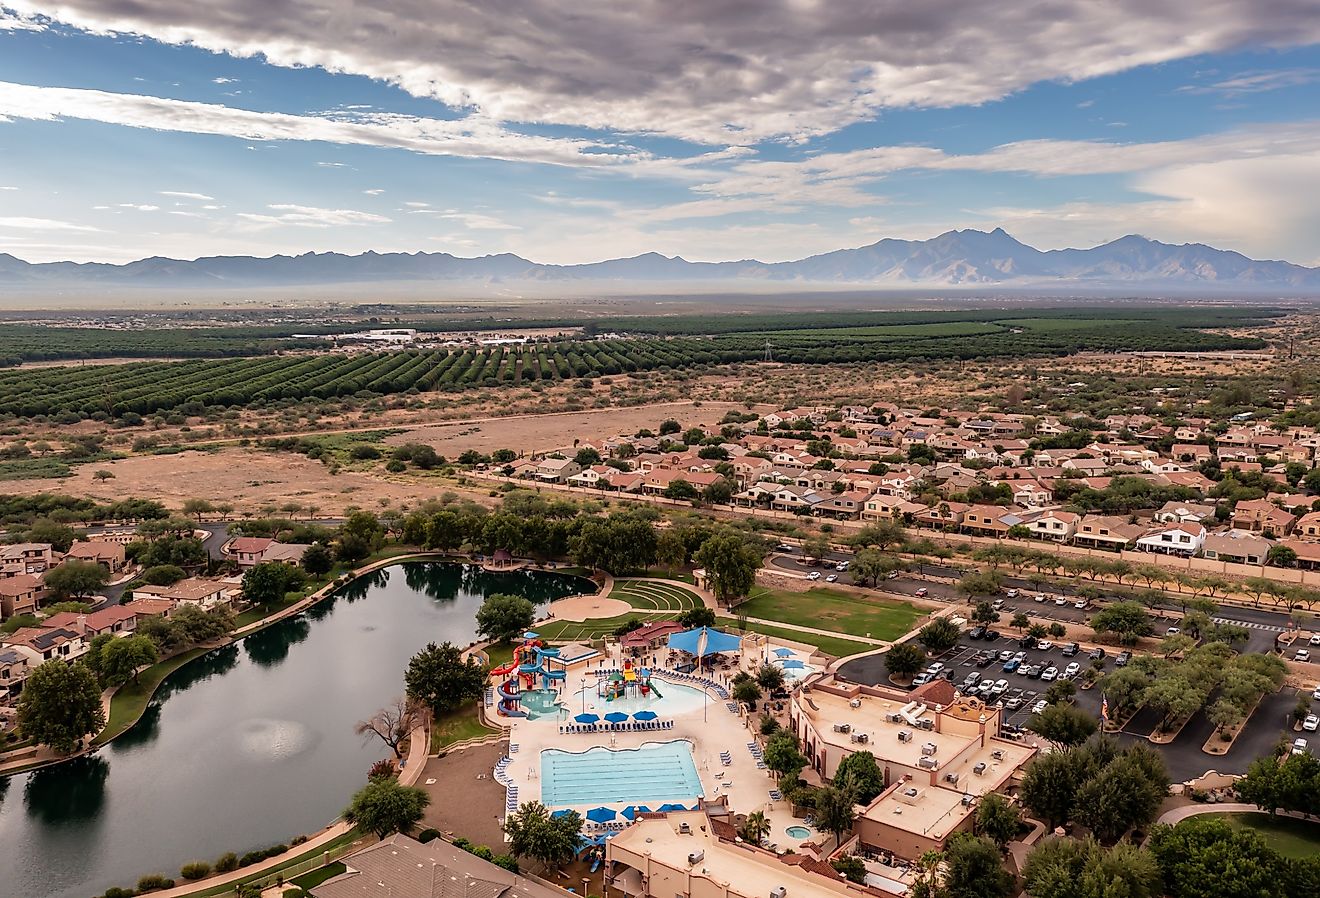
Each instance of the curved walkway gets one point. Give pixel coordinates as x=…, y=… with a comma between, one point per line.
x=1177, y=815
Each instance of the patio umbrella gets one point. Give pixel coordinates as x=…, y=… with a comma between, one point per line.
x=561, y=812
x=601, y=815
x=645, y=715
x=616, y=717
x=586, y=718
x=664, y=808
x=632, y=811
x=783, y=653
x=530, y=635
x=645, y=672
x=793, y=664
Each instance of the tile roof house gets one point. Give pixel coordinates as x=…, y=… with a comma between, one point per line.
x=26, y=558
x=1056, y=525
x=1173, y=539
x=1264, y=516
x=402, y=867
x=1174, y=511
x=115, y=620
x=1105, y=531
x=193, y=591
x=1236, y=546
x=51, y=643
x=247, y=550
x=110, y=555
x=20, y=594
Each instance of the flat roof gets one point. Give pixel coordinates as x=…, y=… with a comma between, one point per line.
x=934, y=813
x=739, y=867
x=869, y=718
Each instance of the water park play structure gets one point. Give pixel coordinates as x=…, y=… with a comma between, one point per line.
x=529, y=662
x=619, y=683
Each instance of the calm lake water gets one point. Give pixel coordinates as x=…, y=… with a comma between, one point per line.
x=247, y=746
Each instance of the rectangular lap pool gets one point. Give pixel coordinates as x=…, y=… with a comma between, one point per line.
x=652, y=774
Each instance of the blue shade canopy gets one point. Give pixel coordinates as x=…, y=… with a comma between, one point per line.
x=616, y=717
x=793, y=664
x=601, y=815
x=561, y=812
x=645, y=715
x=664, y=808
x=632, y=811
x=586, y=718
x=783, y=653
x=530, y=635
x=704, y=641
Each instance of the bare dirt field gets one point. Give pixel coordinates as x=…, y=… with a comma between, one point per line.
x=465, y=799
x=246, y=478
x=541, y=433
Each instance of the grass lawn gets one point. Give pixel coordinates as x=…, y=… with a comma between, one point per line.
x=571, y=631
x=1297, y=839
x=499, y=654
x=663, y=574
x=829, y=609
x=645, y=595
x=830, y=645
x=260, y=612
x=319, y=875
x=131, y=699
x=228, y=889
x=456, y=727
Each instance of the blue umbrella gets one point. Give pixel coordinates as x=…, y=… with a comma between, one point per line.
x=665, y=808
x=793, y=664
x=601, y=815
x=561, y=812
x=530, y=635
x=645, y=672
x=616, y=717
x=632, y=811
x=783, y=653
x=586, y=718
x=645, y=715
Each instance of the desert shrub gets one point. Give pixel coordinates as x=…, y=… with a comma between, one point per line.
x=195, y=870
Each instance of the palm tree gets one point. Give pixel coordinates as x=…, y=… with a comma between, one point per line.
x=755, y=828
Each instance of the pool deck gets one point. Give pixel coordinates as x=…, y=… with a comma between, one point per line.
x=709, y=730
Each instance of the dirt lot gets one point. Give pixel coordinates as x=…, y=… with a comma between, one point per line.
x=540, y=433
x=246, y=478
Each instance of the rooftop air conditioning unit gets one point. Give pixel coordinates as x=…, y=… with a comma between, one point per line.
x=928, y=763
x=904, y=735
x=893, y=717
x=842, y=727
x=926, y=723
x=696, y=857
x=778, y=892
x=967, y=801
x=863, y=738
x=997, y=754
x=929, y=748
x=951, y=778
x=685, y=829
x=979, y=769
x=855, y=703
x=911, y=792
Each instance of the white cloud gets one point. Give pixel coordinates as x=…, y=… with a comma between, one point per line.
x=471, y=136
x=1256, y=82
x=12, y=21
x=375, y=191
x=311, y=217
x=332, y=164
x=42, y=224
x=415, y=204
x=185, y=195
x=716, y=72
x=139, y=207
x=224, y=80
x=473, y=221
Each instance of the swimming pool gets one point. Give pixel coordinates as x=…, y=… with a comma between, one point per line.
x=653, y=774
x=666, y=699
x=798, y=832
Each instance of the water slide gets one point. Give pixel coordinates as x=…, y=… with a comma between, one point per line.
x=508, y=699
x=548, y=676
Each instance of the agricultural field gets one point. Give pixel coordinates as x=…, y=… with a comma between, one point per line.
x=70, y=394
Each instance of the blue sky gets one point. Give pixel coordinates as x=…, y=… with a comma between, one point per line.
x=576, y=130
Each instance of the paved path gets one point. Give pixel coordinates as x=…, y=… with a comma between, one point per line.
x=1177, y=815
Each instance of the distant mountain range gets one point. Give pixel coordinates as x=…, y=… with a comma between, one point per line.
x=965, y=259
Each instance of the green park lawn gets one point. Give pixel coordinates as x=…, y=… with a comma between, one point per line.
x=456, y=727
x=830, y=645
x=131, y=699
x=1292, y=838
x=829, y=609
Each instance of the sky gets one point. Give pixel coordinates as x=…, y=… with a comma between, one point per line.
x=578, y=130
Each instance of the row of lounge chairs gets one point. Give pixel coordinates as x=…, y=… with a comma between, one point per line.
x=705, y=682
x=631, y=726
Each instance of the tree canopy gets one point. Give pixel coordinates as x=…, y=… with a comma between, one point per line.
x=384, y=806
x=439, y=678
x=60, y=705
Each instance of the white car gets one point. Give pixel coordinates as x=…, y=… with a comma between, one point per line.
x=814, y=575
x=1001, y=686
x=1039, y=706
x=1080, y=603
x=1040, y=597
x=1071, y=670
x=920, y=593
x=1311, y=723
x=1303, y=655
x=1300, y=746
x=841, y=566
x=1172, y=631
x=1315, y=639
x=935, y=668
x=1316, y=694
x=1012, y=593
x=1049, y=673
x=1044, y=645
x=831, y=578
x=1061, y=600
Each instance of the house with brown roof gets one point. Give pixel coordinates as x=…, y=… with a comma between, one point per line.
x=108, y=555
x=16, y=662
x=26, y=558
x=1173, y=539
x=116, y=620
x=1105, y=532
x=247, y=550
x=150, y=606
x=943, y=514
x=986, y=520
x=1263, y=516
x=1055, y=525
x=1238, y=546
x=1308, y=526
x=199, y=591
x=50, y=643
x=650, y=637
x=845, y=506
x=20, y=594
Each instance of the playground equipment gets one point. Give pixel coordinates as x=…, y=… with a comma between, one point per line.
x=618, y=683
x=528, y=663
